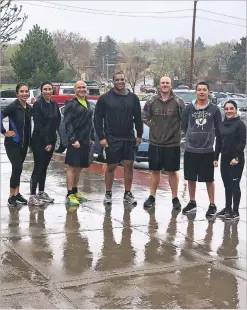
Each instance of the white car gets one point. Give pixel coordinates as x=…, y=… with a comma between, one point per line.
x=34, y=94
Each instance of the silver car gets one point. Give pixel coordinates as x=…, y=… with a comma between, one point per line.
x=6, y=97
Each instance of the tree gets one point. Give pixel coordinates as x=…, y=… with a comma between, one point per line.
x=11, y=21
x=199, y=45
x=237, y=64
x=36, y=58
x=133, y=70
x=105, y=53
x=75, y=50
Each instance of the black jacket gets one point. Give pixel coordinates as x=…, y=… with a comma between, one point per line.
x=115, y=116
x=16, y=114
x=232, y=138
x=78, y=121
x=46, y=118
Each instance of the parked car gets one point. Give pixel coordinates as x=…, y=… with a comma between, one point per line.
x=6, y=97
x=147, y=88
x=61, y=144
x=241, y=103
x=9, y=95
x=34, y=94
x=186, y=95
x=65, y=91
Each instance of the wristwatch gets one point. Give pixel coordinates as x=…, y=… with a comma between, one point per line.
x=236, y=158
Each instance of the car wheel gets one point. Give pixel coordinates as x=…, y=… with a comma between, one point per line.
x=59, y=148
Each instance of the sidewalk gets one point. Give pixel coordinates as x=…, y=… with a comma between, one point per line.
x=118, y=257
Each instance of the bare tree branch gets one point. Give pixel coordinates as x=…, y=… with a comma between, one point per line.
x=10, y=21
x=75, y=50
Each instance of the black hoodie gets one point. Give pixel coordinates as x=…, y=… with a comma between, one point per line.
x=232, y=138
x=115, y=116
x=20, y=119
x=46, y=119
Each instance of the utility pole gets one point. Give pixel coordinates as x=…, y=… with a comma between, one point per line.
x=103, y=68
x=192, y=46
x=107, y=68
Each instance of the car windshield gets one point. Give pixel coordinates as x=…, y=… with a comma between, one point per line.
x=241, y=103
x=186, y=96
x=68, y=91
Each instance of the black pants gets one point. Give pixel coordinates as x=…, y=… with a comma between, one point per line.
x=231, y=176
x=41, y=159
x=16, y=154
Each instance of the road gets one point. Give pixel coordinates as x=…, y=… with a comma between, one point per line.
x=118, y=257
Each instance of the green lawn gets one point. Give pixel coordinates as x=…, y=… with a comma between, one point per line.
x=6, y=86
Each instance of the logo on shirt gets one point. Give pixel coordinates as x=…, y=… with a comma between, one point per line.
x=201, y=118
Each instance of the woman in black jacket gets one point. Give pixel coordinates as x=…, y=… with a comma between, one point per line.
x=17, y=139
x=46, y=118
x=231, y=143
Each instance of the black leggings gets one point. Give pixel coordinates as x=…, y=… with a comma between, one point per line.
x=41, y=159
x=231, y=176
x=16, y=154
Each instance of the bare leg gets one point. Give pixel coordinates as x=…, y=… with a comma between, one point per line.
x=192, y=190
x=70, y=178
x=155, y=180
x=173, y=181
x=211, y=190
x=109, y=176
x=77, y=174
x=128, y=174
x=17, y=190
x=12, y=192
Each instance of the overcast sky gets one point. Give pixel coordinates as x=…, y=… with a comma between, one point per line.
x=72, y=16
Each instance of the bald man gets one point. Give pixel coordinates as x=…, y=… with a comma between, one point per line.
x=78, y=119
x=162, y=113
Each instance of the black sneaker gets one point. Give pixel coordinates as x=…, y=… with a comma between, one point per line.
x=176, y=204
x=191, y=207
x=12, y=202
x=232, y=216
x=150, y=202
x=211, y=210
x=222, y=213
x=20, y=199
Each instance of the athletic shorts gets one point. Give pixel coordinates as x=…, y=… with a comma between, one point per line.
x=120, y=150
x=199, y=167
x=167, y=158
x=78, y=157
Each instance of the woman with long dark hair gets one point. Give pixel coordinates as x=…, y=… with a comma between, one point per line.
x=231, y=143
x=46, y=118
x=17, y=139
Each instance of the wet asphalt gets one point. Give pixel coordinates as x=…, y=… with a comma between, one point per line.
x=119, y=256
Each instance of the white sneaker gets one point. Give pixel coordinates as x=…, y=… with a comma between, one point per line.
x=108, y=198
x=35, y=201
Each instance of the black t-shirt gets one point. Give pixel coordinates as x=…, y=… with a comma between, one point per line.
x=26, y=127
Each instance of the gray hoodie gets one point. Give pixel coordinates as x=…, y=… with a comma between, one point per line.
x=201, y=127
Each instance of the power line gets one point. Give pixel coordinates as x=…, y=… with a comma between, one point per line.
x=121, y=12
x=99, y=13
x=79, y=10
x=221, y=14
x=128, y=12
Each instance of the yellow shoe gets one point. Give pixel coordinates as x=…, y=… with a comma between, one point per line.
x=71, y=200
x=81, y=197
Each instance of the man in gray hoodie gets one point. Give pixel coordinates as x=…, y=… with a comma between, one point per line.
x=200, y=122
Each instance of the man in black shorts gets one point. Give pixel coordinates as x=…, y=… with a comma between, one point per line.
x=162, y=113
x=116, y=113
x=200, y=121
x=78, y=119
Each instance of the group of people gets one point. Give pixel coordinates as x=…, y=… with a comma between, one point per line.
x=118, y=122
